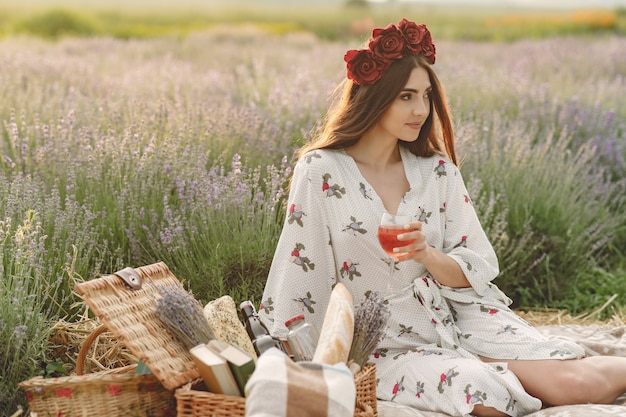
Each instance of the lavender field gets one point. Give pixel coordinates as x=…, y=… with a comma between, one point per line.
x=123, y=153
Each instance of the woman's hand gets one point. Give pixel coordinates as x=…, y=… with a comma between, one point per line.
x=417, y=247
x=442, y=267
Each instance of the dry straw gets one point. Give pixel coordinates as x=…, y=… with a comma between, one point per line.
x=108, y=351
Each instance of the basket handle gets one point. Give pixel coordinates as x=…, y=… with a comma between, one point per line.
x=84, y=348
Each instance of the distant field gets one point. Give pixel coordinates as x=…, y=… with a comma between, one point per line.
x=141, y=19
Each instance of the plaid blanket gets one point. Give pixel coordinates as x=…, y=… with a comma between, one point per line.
x=280, y=387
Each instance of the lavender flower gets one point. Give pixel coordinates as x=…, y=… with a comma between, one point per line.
x=370, y=323
x=182, y=315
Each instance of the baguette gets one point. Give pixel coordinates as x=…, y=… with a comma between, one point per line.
x=338, y=328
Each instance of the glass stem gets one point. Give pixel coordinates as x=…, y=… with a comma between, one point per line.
x=392, y=266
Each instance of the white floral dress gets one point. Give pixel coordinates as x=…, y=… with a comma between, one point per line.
x=428, y=358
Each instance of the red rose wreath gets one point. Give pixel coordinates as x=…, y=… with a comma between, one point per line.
x=366, y=66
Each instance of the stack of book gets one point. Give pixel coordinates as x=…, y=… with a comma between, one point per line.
x=225, y=368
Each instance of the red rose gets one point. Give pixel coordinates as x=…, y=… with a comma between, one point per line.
x=413, y=35
x=428, y=48
x=387, y=43
x=364, y=67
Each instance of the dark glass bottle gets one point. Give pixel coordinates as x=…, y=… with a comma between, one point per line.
x=258, y=333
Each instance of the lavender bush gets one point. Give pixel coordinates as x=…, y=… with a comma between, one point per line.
x=547, y=162
x=25, y=295
x=123, y=153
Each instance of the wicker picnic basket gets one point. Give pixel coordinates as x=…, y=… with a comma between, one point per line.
x=125, y=302
x=100, y=394
x=365, y=381
x=193, y=400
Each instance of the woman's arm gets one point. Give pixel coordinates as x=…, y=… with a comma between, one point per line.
x=466, y=257
x=442, y=267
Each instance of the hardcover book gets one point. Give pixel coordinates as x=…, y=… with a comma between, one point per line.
x=241, y=363
x=215, y=371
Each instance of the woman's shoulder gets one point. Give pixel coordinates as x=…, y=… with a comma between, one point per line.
x=320, y=159
x=434, y=163
x=434, y=160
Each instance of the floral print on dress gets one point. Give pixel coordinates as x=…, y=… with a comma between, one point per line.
x=561, y=353
x=267, y=306
x=476, y=397
x=332, y=190
x=403, y=353
x=424, y=215
x=510, y=405
x=462, y=243
x=507, y=329
x=355, y=226
x=300, y=260
x=468, y=265
x=445, y=379
x=489, y=310
x=419, y=389
x=398, y=387
x=380, y=353
x=306, y=302
x=405, y=330
x=296, y=214
x=311, y=155
x=440, y=169
x=349, y=269
x=364, y=192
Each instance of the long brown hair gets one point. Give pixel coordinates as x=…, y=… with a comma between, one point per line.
x=357, y=108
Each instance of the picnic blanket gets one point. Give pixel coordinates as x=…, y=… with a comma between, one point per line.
x=280, y=387
x=596, y=339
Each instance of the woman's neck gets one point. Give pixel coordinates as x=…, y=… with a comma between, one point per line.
x=377, y=154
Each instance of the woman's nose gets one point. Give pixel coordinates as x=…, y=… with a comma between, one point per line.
x=420, y=108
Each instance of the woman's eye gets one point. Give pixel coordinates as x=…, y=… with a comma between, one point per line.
x=427, y=94
x=405, y=97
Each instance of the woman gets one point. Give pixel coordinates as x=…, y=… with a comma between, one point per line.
x=452, y=344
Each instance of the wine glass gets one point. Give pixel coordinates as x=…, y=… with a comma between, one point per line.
x=391, y=225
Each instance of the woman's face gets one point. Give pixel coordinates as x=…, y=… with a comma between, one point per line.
x=409, y=110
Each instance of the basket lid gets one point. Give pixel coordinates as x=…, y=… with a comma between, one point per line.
x=129, y=312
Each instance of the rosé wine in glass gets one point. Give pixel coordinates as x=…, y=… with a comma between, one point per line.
x=388, y=230
x=388, y=237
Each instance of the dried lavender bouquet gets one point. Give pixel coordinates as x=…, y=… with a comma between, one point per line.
x=370, y=323
x=182, y=315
